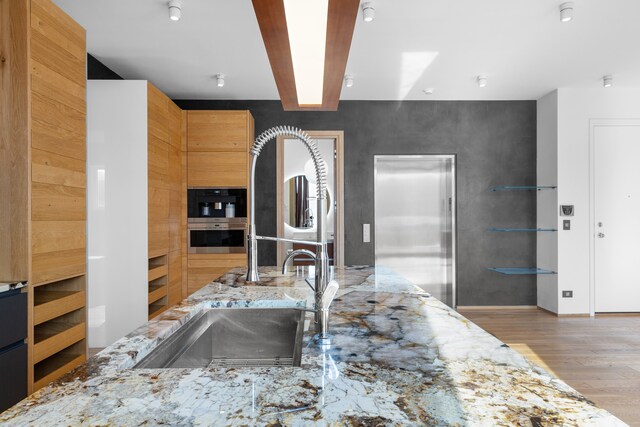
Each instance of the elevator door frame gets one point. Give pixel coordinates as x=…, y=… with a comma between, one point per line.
x=454, y=209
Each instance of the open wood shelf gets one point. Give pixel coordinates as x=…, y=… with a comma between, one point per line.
x=157, y=292
x=157, y=261
x=157, y=308
x=55, y=335
x=58, y=364
x=51, y=304
x=158, y=284
x=158, y=272
x=73, y=280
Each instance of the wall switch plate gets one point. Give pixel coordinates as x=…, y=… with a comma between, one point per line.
x=366, y=233
x=567, y=294
x=566, y=224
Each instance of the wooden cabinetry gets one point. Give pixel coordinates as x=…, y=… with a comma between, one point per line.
x=164, y=201
x=218, y=169
x=219, y=131
x=43, y=133
x=203, y=268
x=217, y=144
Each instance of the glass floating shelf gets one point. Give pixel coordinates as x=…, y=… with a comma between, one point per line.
x=520, y=271
x=523, y=187
x=524, y=230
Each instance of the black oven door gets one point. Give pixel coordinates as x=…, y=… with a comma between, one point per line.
x=217, y=239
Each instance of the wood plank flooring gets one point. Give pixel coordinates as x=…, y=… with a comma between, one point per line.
x=599, y=357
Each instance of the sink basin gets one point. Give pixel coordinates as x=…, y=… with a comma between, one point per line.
x=233, y=337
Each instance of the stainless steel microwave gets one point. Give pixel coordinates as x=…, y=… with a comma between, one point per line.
x=218, y=238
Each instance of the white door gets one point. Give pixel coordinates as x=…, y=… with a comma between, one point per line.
x=617, y=218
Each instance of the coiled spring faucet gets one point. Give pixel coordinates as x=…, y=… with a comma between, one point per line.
x=321, y=257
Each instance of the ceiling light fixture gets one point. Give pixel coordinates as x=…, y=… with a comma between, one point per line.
x=607, y=81
x=566, y=11
x=368, y=11
x=428, y=91
x=348, y=80
x=482, y=81
x=220, y=80
x=307, y=28
x=175, y=10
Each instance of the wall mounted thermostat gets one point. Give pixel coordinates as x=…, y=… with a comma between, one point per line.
x=566, y=210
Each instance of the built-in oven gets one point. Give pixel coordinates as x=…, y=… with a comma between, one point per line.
x=219, y=236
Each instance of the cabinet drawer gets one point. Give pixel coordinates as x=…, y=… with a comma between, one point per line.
x=13, y=375
x=13, y=317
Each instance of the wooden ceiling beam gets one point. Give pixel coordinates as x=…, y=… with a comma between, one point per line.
x=273, y=26
x=341, y=21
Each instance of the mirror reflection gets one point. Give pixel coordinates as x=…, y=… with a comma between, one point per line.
x=300, y=203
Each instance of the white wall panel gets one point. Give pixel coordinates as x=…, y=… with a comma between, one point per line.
x=116, y=208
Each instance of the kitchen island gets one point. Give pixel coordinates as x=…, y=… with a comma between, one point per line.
x=398, y=357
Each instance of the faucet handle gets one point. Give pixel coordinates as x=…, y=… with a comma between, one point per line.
x=329, y=294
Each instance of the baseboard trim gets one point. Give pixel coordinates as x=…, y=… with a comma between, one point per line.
x=495, y=307
x=564, y=315
x=547, y=311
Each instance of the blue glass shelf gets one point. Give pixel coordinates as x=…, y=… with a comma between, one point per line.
x=522, y=187
x=511, y=271
x=525, y=230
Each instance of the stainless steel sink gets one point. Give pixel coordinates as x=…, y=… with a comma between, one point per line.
x=233, y=337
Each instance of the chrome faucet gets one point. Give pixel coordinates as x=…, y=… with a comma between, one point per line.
x=308, y=218
x=322, y=301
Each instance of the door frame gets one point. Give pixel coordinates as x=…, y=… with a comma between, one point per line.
x=338, y=136
x=454, y=212
x=593, y=124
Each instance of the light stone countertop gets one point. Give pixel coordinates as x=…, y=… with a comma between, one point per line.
x=398, y=357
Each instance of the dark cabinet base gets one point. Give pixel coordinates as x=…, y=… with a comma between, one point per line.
x=13, y=375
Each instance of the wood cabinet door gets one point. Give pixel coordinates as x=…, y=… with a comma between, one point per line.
x=205, y=268
x=217, y=169
x=218, y=130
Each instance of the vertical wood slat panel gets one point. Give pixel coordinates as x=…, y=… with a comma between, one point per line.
x=14, y=140
x=165, y=184
x=58, y=185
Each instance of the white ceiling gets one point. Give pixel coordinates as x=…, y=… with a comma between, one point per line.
x=520, y=45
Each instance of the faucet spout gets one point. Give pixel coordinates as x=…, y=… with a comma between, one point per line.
x=321, y=257
x=292, y=254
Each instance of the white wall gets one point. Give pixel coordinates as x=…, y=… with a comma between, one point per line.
x=116, y=208
x=547, y=200
x=576, y=107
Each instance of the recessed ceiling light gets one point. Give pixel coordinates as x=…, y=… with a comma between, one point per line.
x=428, y=91
x=607, y=81
x=175, y=10
x=482, y=81
x=348, y=80
x=566, y=11
x=307, y=29
x=220, y=80
x=368, y=11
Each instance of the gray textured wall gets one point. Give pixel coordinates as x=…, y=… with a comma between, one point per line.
x=495, y=144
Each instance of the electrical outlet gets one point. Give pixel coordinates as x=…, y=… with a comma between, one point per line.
x=567, y=294
x=366, y=233
x=566, y=224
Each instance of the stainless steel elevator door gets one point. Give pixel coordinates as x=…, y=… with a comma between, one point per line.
x=415, y=220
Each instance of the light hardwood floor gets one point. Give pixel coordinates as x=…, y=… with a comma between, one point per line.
x=599, y=357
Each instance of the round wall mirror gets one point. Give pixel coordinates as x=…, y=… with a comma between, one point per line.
x=300, y=204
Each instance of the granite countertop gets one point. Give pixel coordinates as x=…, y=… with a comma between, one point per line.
x=398, y=357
